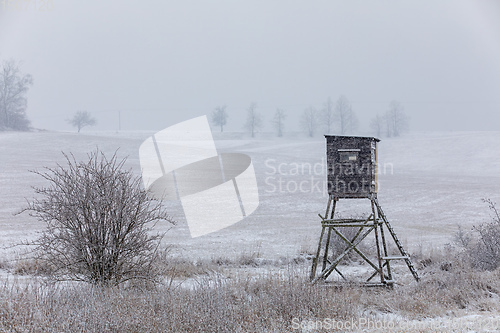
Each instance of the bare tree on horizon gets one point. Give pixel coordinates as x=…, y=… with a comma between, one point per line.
x=278, y=121
x=377, y=125
x=345, y=116
x=13, y=102
x=82, y=119
x=397, y=121
x=254, y=119
x=328, y=115
x=219, y=117
x=309, y=120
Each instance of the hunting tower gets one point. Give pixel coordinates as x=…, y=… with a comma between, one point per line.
x=352, y=174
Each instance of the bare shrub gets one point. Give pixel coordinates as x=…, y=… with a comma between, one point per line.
x=482, y=247
x=99, y=222
x=448, y=283
x=462, y=237
x=486, y=254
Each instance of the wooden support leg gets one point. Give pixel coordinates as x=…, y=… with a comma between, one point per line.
x=379, y=255
x=329, y=237
x=318, y=252
x=315, y=259
x=327, y=245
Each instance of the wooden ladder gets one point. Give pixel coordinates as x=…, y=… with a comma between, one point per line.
x=404, y=255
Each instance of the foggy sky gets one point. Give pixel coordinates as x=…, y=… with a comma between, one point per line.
x=161, y=62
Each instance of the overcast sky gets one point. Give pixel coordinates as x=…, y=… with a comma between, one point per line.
x=162, y=62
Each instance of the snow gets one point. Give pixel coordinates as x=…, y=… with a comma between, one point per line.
x=432, y=182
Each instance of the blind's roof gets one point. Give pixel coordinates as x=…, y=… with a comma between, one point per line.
x=352, y=137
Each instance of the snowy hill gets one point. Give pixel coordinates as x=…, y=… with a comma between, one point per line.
x=429, y=183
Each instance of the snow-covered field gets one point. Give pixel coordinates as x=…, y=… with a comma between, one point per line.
x=429, y=183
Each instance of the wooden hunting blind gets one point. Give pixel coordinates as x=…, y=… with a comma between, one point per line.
x=352, y=166
x=352, y=174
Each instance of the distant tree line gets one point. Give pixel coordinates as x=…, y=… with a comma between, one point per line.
x=333, y=118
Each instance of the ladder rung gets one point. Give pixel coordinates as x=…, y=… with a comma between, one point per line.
x=345, y=220
x=354, y=225
x=396, y=258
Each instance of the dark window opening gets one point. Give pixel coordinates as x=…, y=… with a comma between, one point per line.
x=349, y=156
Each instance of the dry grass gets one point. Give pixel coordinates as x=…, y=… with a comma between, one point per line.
x=32, y=267
x=265, y=304
x=210, y=302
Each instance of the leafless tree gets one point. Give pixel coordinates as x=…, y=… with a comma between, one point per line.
x=99, y=222
x=388, y=125
x=309, y=120
x=345, y=116
x=13, y=101
x=219, y=117
x=396, y=119
x=279, y=121
x=254, y=119
x=328, y=115
x=82, y=119
x=377, y=125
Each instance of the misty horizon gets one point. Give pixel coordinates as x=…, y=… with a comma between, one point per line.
x=156, y=65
